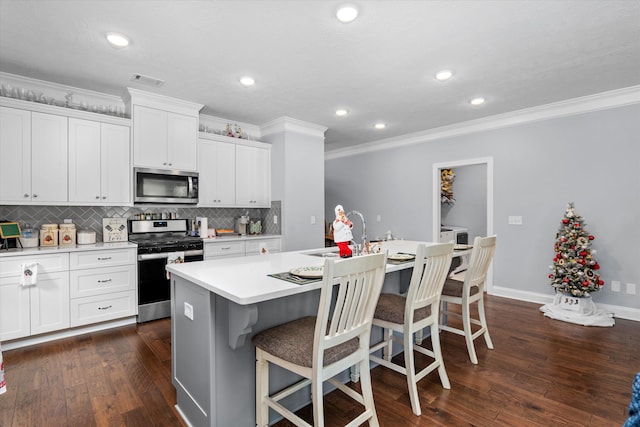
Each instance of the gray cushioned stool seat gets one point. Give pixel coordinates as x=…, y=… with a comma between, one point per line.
x=293, y=342
x=390, y=308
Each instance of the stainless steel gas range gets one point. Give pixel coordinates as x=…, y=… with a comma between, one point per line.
x=158, y=242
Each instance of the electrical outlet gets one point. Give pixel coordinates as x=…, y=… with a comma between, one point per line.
x=631, y=288
x=275, y=219
x=313, y=219
x=378, y=218
x=615, y=286
x=68, y=221
x=188, y=311
x=515, y=220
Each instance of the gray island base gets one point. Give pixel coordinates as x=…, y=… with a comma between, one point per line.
x=218, y=305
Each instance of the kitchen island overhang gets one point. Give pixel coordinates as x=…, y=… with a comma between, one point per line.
x=218, y=305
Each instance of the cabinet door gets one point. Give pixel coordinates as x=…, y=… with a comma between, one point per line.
x=115, y=167
x=84, y=161
x=216, y=168
x=48, y=157
x=50, y=303
x=15, y=149
x=182, y=140
x=149, y=137
x=253, y=176
x=14, y=309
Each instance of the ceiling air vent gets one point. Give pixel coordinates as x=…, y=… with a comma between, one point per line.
x=146, y=80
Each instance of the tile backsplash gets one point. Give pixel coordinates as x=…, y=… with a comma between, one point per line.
x=90, y=217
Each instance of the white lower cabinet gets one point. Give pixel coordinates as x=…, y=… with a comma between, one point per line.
x=223, y=249
x=102, y=285
x=71, y=289
x=250, y=246
x=38, y=308
x=255, y=247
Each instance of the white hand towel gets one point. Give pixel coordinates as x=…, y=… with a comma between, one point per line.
x=29, y=274
x=174, y=258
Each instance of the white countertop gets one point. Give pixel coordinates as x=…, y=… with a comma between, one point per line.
x=245, y=280
x=47, y=250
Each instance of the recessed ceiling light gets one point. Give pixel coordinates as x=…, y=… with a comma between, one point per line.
x=347, y=13
x=341, y=112
x=444, y=75
x=247, y=81
x=477, y=101
x=117, y=40
x=380, y=126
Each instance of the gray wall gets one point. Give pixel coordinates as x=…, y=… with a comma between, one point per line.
x=592, y=159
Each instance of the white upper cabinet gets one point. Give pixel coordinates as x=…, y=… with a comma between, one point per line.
x=216, y=167
x=99, y=168
x=15, y=148
x=48, y=158
x=163, y=139
x=34, y=157
x=253, y=176
x=165, y=131
x=182, y=141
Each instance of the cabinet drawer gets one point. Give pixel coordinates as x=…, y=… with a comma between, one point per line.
x=12, y=266
x=91, y=259
x=221, y=249
x=104, y=280
x=254, y=247
x=102, y=307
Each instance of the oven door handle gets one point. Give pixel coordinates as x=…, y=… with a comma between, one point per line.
x=146, y=257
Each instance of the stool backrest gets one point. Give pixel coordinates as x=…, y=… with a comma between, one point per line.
x=350, y=291
x=429, y=274
x=481, y=257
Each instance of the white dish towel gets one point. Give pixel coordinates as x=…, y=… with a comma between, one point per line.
x=174, y=258
x=29, y=274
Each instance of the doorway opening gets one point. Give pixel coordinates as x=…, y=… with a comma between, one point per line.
x=484, y=166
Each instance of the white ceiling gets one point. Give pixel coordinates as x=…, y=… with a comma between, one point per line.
x=517, y=54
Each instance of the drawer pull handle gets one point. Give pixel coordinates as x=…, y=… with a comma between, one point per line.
x=104, y=258
x=226, y=248
x=104, y=281
x=105, y=308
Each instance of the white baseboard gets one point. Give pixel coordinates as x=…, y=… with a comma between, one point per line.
x=618, y=311
x=66, y=333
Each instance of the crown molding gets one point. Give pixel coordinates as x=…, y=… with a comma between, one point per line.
x=286, y=124
x=154, y=100
x=585, y=104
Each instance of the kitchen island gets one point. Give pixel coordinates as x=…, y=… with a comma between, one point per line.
x=216, y=307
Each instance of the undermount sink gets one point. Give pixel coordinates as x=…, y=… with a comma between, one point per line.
x=329, y=253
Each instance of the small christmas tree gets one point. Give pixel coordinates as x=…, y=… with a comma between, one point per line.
x=574, y=267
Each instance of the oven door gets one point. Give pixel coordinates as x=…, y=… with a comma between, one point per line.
x=154, y=292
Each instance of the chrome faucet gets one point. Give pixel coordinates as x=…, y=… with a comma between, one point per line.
x=364, y=233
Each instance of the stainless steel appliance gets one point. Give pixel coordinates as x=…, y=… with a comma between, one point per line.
x=165, y=186
x=158, y=241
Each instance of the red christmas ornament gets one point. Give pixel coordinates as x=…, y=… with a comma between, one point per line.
x=591, y=237
x=550, y=276
x=585, y=284
x=576, y=225
x=565, y=280
x=565, y=221
x=601, y=282
x=583, y=253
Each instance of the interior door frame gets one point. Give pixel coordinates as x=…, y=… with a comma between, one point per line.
x=437, y=167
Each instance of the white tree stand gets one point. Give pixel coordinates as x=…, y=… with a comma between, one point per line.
x=582, y=311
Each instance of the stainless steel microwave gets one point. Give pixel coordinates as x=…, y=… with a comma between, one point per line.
x=165, y=186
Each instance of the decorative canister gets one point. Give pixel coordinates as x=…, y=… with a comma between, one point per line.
x=67, y=234
x=49, y=235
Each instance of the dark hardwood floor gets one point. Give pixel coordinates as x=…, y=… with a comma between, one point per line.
x=542, y=372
